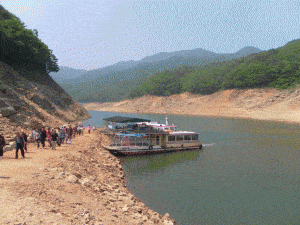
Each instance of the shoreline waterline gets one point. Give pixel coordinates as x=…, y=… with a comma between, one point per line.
x=205, y=115
x=255, y=104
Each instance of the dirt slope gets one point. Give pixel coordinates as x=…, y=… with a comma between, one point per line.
x=32, y=103
x=75, y=184
x=263, y=104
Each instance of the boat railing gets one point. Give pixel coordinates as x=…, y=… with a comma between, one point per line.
x=127, y=140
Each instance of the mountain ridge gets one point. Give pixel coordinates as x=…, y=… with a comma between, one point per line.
x=122, y=64
x=277, y=68
x=114, y=82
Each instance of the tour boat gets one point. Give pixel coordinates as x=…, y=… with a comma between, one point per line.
x=152, y=137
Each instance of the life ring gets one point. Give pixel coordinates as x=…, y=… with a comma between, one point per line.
x=150, y=147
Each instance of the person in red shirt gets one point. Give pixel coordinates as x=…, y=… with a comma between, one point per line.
x=49, y=138
x=70, y=134
x=2, y=144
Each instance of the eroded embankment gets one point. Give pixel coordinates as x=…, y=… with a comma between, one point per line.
x=75, y=184
x=262, y=104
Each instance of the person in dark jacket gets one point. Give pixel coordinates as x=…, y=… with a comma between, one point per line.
x=59, y=133
x=2, y=144
x=63, y=135
x=19, y=145
x=43, y=137
x=24, y=136
x=54, y=137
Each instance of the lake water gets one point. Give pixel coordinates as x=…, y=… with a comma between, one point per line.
x=247, y=172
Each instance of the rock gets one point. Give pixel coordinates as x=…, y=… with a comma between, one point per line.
x=98, y=223
x=125, y=209
x=137, y=215
x=95, y=187
x=85, y=182
x=61, y=175
x=7, y=111
x=168, y=222
x=72, y=179
x=167, y=216
x=7, y=148
x=125, y=200
x=53, y=169
x=145, y=218
x=17, y=106
x=86, y=216
x=78, y=175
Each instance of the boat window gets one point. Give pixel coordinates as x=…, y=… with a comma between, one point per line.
x=187, y=137
x=179, y=138
x=195, y=137
x=157, y=140
x=172, y=128
x=167, y=128
x=171, y=138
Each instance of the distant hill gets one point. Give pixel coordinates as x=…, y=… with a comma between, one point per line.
x=66, y=73
x=277, y=68
x=116, y=82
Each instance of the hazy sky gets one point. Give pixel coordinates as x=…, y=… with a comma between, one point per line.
x=95, y=33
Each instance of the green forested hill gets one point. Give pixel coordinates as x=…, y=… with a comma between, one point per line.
x=116, y=82
x=21, y=48
x=277, y=68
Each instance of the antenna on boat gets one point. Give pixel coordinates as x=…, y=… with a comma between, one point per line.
x=166, y=120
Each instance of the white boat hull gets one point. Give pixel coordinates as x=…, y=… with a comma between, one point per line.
x=143, y=150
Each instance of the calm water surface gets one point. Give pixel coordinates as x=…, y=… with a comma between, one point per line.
x=247, y=172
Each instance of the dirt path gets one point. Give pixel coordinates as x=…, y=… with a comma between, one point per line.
x=74, y=184
x=261, y=104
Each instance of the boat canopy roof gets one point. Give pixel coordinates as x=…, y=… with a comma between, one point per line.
x=121, y=119
x=133, y=135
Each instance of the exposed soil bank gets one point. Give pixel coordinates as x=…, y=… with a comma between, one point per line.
x=75, y=184
x=261, y=104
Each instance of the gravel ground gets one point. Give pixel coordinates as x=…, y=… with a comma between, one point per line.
x=75, y=184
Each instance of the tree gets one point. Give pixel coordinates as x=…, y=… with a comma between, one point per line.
x=21, y=47
x=35, y=32
x=51, y=64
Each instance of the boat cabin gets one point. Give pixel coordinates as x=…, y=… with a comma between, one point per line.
x=145, y=136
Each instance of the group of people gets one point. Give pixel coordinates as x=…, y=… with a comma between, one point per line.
x=56, y=136
x=53, y=136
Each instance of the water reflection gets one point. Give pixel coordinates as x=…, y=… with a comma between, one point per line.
x=149, y=163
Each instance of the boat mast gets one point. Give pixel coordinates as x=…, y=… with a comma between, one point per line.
x=166, y=120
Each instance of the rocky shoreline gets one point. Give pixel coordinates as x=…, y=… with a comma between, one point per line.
x=259, y=104
x=76, y=184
